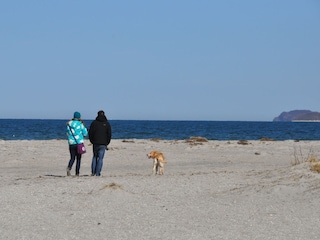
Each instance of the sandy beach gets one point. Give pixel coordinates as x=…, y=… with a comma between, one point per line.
x=210, y=190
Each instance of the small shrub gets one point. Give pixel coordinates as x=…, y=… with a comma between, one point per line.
x=127, y=141
x=155, y=139
x=315, y=167
x=196, y=140
x=313, y=159
x=266, y=139
x=243, y=142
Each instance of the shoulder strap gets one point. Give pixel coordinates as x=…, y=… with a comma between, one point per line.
x=72, y=133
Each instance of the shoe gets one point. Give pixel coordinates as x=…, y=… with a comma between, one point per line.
x=68, y=172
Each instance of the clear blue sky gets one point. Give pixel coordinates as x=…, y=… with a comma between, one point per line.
x=159, y=60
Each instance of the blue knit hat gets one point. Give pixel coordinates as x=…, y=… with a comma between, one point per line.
x=77, y=115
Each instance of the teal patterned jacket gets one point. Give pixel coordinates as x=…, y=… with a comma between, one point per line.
x=79, y=131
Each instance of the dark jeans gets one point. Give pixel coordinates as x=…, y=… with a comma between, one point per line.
x=73, y=156
x=97, y=159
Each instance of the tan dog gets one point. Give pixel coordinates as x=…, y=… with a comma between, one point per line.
x=158, y=162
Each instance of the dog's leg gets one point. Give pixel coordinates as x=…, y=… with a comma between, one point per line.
x=154, y=170
x=161, y=168
x=157, y=167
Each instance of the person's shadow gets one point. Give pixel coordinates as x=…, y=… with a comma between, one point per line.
x=63, y=176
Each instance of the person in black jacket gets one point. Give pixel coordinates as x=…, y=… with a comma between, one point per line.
x=100, y=137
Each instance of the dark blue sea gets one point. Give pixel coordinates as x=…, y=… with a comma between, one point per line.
x=38, y=129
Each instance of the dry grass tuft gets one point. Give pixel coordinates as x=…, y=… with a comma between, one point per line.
x=155, y=139
x=127, y=141
x=315, y=164
x=300, y=157
x=243, y=142
x=309, y=158
x=113, y=186
x=313, y=159
x=266, y=139
x=196, y=140
x=315, y=167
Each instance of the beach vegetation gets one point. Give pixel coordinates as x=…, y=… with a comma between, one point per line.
x=300, y=157
x=196, y=140
x=127, y=141
x=315, y=167
x=243, y=142
x=113, y=186
x=315, y=164
x=310, y=158
x=156, y=139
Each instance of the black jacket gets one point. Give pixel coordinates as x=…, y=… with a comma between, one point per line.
x=100, y=131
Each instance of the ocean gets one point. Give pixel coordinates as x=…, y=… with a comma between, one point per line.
x=46, y=129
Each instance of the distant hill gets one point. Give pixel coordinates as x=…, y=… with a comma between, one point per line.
x=298, y=115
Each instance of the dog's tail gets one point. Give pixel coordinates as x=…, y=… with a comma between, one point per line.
x=162, y=160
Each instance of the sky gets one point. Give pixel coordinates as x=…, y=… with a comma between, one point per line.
x=215, y=60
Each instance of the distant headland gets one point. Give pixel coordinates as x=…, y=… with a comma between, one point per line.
x=298, y=116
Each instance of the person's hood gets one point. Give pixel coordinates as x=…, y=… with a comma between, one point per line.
x=101, y=118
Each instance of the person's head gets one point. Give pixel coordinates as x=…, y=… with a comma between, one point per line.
x=101, y=113
x=77, y=115
x=101, y=116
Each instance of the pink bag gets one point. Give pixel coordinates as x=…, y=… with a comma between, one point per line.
x=81, y=148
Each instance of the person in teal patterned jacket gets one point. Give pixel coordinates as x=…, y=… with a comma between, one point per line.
x=76, y=131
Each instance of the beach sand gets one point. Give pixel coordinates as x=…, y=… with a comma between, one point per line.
x=210, y=190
